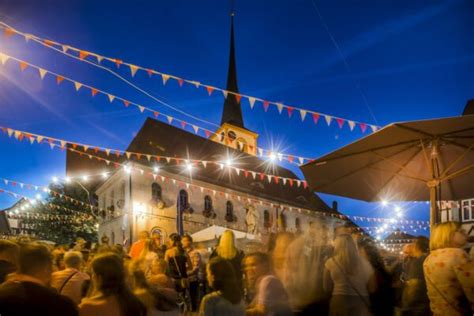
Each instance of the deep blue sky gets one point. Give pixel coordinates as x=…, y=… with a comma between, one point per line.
x=409, y=60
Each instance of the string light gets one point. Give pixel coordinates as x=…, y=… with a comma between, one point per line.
x=55, y=179
x=156, y=169
x=85, y=178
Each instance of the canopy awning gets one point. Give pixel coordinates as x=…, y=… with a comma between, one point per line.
x=214, y=232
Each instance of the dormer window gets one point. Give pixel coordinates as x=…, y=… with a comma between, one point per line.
x=232, y=136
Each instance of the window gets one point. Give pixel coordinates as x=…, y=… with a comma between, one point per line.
x=468, y=210
x=183, y=202
x=266, y=219
x=282, y=222
x=155, y=192
x=232, y=136
x=229, y=211
x=207, y=203
x=113, y=238
x=297, y=224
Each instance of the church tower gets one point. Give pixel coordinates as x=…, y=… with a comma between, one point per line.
x=232, y=131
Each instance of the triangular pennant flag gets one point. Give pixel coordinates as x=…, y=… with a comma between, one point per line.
x=141, y=108
x=363, y=127
x=28, y=37
x=32, y=139
x=254, y=174
x=280, y=107
x=94, y=91
x=290, y=158
x=165, y=78
x=328, y=119
x=302, y=114
x=155, y=114
x=65, y=48
x=237, y=170
x=209, y=90
x=290, y=110
x=3, y=58
x=154, y=177
x=39, y=139
x=224, y=92
x=374, y=128
x=107, y=151
x=180, y=82
x=301, y=160
x=8, y=32
x=284, y=181
x=204, y=163
x=237, y=98
x=183, y=124
x=168, y=159
x=252, y=102
x=266, y=104
x=118, y=62
x=59, y=79
x=149, y=72
x=315, y=118
x=10, y=132
x=260, y=152
x=83, y=54
x=18, y=134
x=42, y=73
x=162, y=179
x=269, y=177
x=208, y=133
x=23, y=65
x=351, y=125
x=196, y=129
x=78, y=85
x=128, y=155
x=99, y=58
x=148, y=157
x=280, y=156
x=340, y=122
x=133, y=70
x=196, y=83
x=111, y=98
x=126, y=103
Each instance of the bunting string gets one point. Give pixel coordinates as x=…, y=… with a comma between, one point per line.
x=198, y=130
x=96, y=59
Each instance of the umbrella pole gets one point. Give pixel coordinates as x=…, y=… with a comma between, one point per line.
x=433, y=203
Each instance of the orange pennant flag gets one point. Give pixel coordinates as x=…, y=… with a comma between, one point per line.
x=180, y=82
x=118, y=62
x=48, y=42
x=23, y=65
x=83, y=54
x=126, y=103
x=209, y=90
x=94, y=91
x=59, y=79
x=238, y=97
x=8, y=32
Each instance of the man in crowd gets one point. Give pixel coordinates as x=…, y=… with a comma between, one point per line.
x=270, y=297
x=70, y=281
x=137, y=246
x=8, y=258
x=195, y=273
x=26, y=292
x=160, y=248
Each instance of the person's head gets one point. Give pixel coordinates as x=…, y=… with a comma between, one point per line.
x=256, y=265
x=222, y=277
x=143, y=235
x=35, y=260
x=9, y=251
x=369, y=250
x=421, y=245
x=407, y=251
x=226, y=248
x=156, y=237
x=136, y=276
x=187, y=241
x=174, y=240
x=104, y=239
x=346, y=253
x=158, y=266
x=448, y=235
x=73, y=259
x=149, y=245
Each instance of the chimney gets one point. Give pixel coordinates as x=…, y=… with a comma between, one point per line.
x=334, y=206
x=469, y=108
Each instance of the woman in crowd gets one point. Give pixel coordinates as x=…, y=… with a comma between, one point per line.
x=349, y=278
x=449, y=272
x=177, y=259
x=382, y=299
x=111, y=295
x=226, y=299
x=227, y=250
x=147, y=256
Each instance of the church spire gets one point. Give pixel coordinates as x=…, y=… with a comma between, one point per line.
x=232, y=113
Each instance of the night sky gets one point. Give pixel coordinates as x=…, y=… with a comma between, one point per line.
x=372, y=61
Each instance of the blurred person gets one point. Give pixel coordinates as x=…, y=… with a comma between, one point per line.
x=448, y=271
x=137, y=247
x=349, y=278
x=303, y=271
x=111, y=294
x=27, y=292
x=160, y=248
x=382, y=299
x=226, y=249
x=9, y=252
x=154, y=300
x=177, y=260
x=158, y=277
x=282, y=241
x=70, y=281
x=226, y=298
x=270, y=295
x=147, y=256
x=195, y=272
x=414, y=298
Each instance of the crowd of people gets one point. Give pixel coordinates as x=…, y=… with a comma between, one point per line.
x=319, y=272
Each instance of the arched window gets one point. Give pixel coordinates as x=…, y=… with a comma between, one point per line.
x=112, y=238
x=297, y=224
x=282, y=222
x=183, y=201
x=266, y=219
x=155, y=192
x=229, y=211
x=207, y=203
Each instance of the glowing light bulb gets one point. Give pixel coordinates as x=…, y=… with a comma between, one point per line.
x=228, y=162
x=272, y=157
x=156, y=169
x=38, y=196
x=67, y=180
x=189, y=167
x=384, y=202
x=127, y=169
x=85, y=178
x=398, y=209
x=55, y=179
x=104, y=175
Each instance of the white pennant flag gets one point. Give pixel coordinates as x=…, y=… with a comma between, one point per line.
x=187, y=185
x=196, y=83
x=174, y=181
x=133, y=70
x=280, y=107
x=269, y=177
x=3, y=58
x=352, y=124
x=42, y=72
x=77, y=85
x=374, y=128
x=107, y=162
x=10, y=132
x=111, y=98
x=227, y=195
x=252, y=102
x=237, y=170
x=141, y=108
x=303, y=114
x=224, y=92
x=154, y=177
x=17, y=134
x=298, y=182
x=168, y=159
x=165, y=78
x=195, y=128
x=284, y=180
x=162, y=179
x=107, y=151
x=260, y=152
x=148, y=157
x=65, y=48
x=202, y=189
x=99, y=58
x=28, y=37
x=204, y=163
x=301, y=160
x=128, y=154
x=170, y=119
x=254, y=174
x=328, y=119
x=22, y=185
x=6, y=181
x=280, y=156
x=52, y=145
x=32, y=140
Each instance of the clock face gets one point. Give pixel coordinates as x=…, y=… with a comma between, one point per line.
x=231, y=135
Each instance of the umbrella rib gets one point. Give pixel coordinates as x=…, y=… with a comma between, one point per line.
x=414, y=130
x=457, y=160
x=459, y=131
x=401, y=169
x=357, y=170
x=401, y=166
x=458, y=173
x=400, y=175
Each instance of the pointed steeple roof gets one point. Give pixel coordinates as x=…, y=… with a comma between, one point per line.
x=232, y=113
